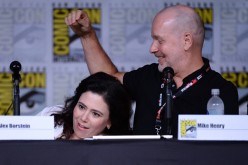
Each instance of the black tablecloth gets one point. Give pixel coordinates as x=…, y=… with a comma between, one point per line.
x=126, y=152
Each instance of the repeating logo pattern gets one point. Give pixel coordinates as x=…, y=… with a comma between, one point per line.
x=34, y=33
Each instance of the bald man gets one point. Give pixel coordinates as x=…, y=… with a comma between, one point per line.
x=178, y=36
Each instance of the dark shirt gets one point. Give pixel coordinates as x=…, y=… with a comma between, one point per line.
x=144, y=84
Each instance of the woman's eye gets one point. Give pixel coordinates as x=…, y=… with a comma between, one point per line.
x=81, y=106
x=95, y=114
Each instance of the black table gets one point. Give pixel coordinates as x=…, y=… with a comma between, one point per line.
x=123, y=152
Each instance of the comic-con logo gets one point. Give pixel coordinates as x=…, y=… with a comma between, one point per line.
x=188, y=128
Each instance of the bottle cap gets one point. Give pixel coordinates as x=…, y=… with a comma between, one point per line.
x=215, y=91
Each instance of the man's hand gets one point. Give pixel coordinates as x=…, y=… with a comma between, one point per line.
x=79, y=22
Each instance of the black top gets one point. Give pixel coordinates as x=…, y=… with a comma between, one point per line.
x=144, y=84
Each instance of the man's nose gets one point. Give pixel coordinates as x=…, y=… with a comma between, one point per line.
x=153, y=48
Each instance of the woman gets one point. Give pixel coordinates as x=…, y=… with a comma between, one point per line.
x=100, y=106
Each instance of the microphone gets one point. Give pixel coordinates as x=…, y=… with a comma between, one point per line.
x=168, y=73
x=16, y=67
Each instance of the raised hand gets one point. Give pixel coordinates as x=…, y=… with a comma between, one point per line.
x=79, y=22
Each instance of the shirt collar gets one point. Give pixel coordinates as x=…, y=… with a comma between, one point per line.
x=197, y=72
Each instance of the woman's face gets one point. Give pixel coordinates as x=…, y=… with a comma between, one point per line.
x=90, y=116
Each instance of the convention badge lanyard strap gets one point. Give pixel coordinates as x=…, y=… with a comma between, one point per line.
x=158, y=125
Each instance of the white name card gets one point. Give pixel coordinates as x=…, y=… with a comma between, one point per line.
x=213, y=127
x=26, y=128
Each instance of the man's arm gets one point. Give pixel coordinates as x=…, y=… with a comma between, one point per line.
x=96, y=58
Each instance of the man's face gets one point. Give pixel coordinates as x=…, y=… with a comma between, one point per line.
x=167, y=43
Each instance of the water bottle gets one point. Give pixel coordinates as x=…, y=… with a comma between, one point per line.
x=215, y=105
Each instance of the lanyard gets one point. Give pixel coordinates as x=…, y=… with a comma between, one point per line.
x=158, y=125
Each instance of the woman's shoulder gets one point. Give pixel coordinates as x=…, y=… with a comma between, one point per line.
x=47, y=111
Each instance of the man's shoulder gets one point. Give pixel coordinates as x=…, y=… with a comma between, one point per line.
x=217, y=78
x=146, y=68
x=147, y=73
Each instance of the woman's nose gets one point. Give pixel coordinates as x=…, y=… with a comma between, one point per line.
x=84, y=116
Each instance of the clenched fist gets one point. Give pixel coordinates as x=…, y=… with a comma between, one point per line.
x=79, y=22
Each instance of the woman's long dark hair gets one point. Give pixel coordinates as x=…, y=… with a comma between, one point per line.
x=113, y=93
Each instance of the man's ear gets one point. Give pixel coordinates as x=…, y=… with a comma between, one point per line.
x=188, y=40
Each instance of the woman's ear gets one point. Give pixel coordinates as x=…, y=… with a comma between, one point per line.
x=108, y=125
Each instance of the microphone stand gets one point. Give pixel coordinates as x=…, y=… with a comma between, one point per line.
x=15, y=66
x=16, y=101
x=168, y=77
x=169, y=107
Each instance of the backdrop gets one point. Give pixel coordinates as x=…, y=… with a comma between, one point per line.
x=33, y=32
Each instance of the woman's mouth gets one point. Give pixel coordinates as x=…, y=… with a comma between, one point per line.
x=82, y=126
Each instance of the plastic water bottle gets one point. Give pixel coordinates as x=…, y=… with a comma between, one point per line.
x=215, y=105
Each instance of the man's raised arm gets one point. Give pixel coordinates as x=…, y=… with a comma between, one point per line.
x=96, y=58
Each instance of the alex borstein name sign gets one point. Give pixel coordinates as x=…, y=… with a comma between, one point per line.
x=26, y=127
x=213, y=127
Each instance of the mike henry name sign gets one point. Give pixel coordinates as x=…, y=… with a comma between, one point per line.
x=213, y=127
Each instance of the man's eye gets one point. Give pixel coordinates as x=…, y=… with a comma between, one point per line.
x=160, y=41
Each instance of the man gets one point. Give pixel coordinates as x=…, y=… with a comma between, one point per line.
x=178, y=36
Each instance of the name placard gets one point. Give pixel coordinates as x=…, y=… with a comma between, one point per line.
x=213, y=127
x=129, y=137
x=26, y=127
